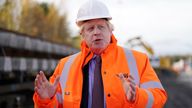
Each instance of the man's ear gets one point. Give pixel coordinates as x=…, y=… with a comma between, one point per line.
x=81, y=34
x=82, y=37
x=111, y=37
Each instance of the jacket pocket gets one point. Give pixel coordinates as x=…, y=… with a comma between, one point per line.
x=68, y=101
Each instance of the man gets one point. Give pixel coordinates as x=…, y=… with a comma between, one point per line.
x=102, y=75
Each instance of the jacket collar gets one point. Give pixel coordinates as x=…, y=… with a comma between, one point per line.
x=87, y=54
x=85, y=49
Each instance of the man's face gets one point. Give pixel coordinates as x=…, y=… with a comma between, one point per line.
x=97, y=35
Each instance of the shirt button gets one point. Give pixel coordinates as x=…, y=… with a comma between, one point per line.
x=109, y=95
x=105, y=72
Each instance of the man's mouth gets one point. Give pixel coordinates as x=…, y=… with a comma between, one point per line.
x=97, y=40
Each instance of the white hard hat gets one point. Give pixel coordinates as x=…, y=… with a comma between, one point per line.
x=93, y=9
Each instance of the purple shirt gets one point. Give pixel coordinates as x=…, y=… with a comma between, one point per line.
x=91, y=81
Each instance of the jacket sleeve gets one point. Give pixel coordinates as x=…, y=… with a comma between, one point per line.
x=44, y=103
x=53, y=102
x=150, y=93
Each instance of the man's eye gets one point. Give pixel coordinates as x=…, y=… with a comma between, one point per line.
x=101, y=27
x=90, y=28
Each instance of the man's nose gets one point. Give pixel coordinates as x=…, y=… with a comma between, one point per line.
x=96, y=30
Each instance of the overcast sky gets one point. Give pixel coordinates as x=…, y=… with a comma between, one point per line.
x=165, y=24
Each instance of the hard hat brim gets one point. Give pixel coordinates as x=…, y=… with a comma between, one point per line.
x=80, y=21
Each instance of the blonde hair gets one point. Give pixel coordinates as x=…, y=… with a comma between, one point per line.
x=109, y=24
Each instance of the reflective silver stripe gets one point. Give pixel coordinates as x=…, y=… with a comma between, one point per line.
x=65, y=71
x=132, y=65
x=151, y=84
x=59, y=97
x=150, y=99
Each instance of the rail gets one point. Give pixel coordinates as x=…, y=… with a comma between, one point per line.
x=21, y=57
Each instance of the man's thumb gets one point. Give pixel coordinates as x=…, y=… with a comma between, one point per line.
x=56, y=81
x=121, y=77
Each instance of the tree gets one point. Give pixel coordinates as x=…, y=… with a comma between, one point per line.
x=44, y=21
x=76, y=41
x=10, y=12
x=40, y=20
x=6, y=15
x=32, y=19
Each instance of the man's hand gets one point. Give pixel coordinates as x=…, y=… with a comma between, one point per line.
x=128, y=85
x=43, y=87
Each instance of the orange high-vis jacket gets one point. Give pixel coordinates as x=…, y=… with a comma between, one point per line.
x=115, y=59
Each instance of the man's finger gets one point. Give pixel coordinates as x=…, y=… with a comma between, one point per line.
x=40, y=83
x=43, y=76
x=36, y=89
x=131, y=81
x=131, y=77
x=121, y=77
x=39, y=92
x=125, y=75
x=133, y=87
x=40, y=80
x=56, y=81
x=37, y=81
x=132, y=93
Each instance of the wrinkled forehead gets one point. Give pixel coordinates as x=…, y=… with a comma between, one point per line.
x=95, y=22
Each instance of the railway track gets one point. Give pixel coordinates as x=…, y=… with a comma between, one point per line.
x=179, y=91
